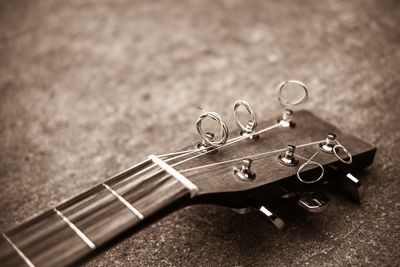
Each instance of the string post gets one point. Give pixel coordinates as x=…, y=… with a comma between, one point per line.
x=286, y=120
x=249, y=131
x=288, y=158
x=203, y=145
x=245, y=173
x=329, y=144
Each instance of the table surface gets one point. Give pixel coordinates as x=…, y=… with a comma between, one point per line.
x=88, y=89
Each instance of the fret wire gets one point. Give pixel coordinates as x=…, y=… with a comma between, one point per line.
x=126, y=203
x=104, y=216
x=141, y=195
x=20, y=253
x=111, y=181
x=81, y=200
x=182, y=179
x=140, y=182
x=88, y=205
x=89, y=210
x=76, y=230
x=114, y=177
x=159, y=191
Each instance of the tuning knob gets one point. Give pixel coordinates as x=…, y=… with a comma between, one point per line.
x=275, y=220
x=313, y=202
x=353, y=187
x=347, y=183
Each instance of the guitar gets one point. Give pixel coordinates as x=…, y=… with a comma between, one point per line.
x=293, y=158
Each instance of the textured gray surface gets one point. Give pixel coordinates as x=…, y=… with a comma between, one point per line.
x=87, y=89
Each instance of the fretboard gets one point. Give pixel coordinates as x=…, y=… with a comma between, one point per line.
x=81, y=225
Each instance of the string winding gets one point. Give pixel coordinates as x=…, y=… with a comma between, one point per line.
x=308, y=162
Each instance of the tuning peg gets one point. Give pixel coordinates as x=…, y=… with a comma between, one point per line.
x=348, y=183
x=353, y=187
x=274, y=219
x=313, y=201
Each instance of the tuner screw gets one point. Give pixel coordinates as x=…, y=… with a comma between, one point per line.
x=207, y=147
x=288, y=157
x=287, y=119
x=245, y=173
x=329, y=143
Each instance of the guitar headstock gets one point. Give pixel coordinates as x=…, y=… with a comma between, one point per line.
x=290, y=156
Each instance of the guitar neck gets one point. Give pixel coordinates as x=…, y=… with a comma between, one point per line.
x=89, y=221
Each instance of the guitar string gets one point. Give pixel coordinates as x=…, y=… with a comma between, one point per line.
x=239, y=138
x=309, y=160
x=188, y=152
x=177, y=153
x=128, y=187
x=227, y=144
x=231, y=141
x=255, y=157
x=207, y=151
x=151, y=174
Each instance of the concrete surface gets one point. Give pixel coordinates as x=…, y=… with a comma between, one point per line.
x=89, y=88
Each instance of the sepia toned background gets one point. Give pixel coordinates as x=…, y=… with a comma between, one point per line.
x=88, y=88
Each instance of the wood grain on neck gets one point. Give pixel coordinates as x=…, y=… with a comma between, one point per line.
x=80, y=225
